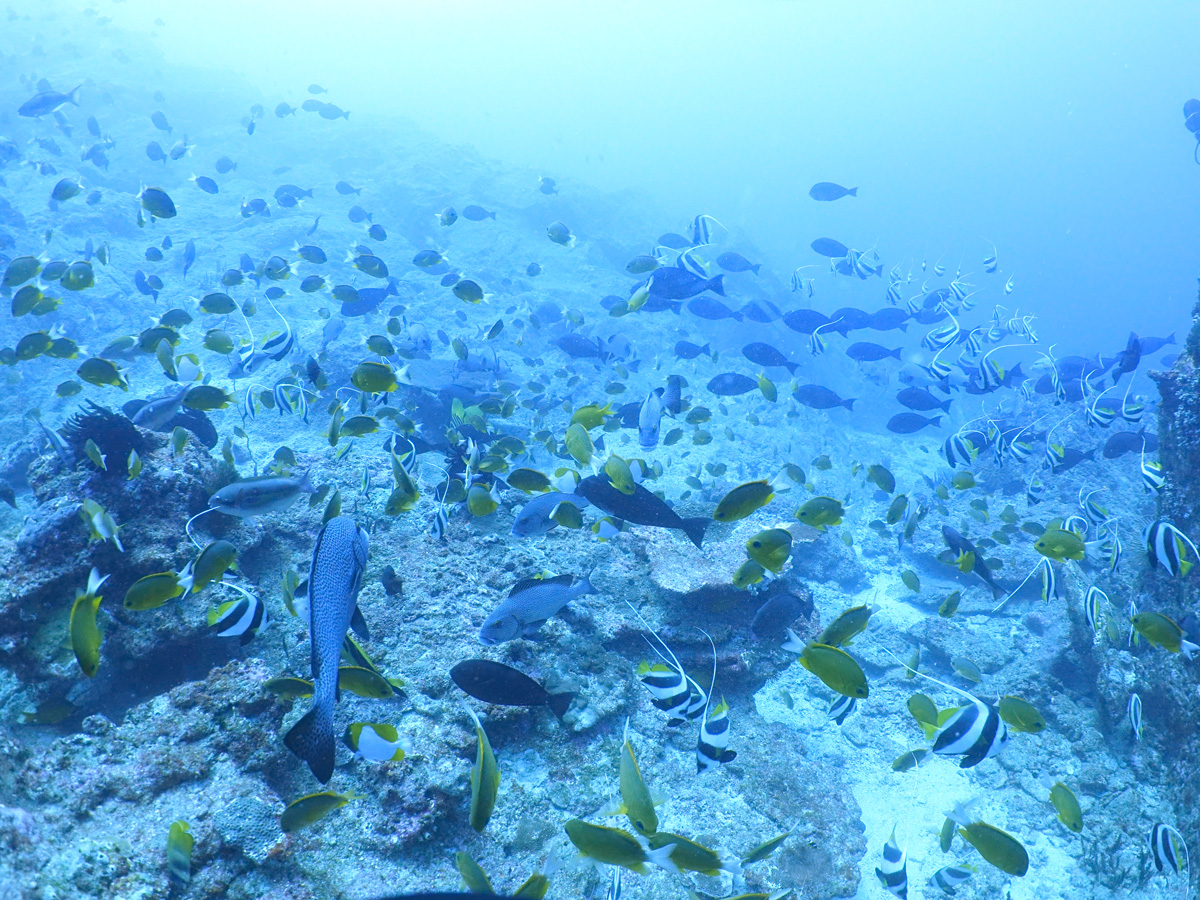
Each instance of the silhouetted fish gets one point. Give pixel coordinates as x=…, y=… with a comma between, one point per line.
x=827, y=191
x=829, y=247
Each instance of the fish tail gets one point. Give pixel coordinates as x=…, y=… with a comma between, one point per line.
x=896, y=352
x=849, y=404
x=853, y=192
x=754, y=268
x=560, y=703
x=716, y=284
x=312, y=740
x=695, y=528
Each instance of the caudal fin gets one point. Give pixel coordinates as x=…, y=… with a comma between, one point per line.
x=311, y=739
x=754, y=268
x=716, y=284
x=560, y=703
x=849, y=404
x=853, y=192
x=695, y=528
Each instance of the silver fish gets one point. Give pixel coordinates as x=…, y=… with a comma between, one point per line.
x=155, y=415
x=533, y=518
x=258, y=496
x=529, y=604
x=649, y=417
x=334, y=578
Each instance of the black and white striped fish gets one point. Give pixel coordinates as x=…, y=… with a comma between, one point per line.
x=670, y=687
x=841, y=707
x=975, y=732
x=242, y=618
x=1168, y=847
x=893, y=872
x=1035, y=490
x=712, y=747
x=701, y=234
x=1134, y=709
x=1110, y=546
x=669, y=690
x=1049, y=580
x=614, y=886
x=990, y=263
x=1093, y=608
x=958, y=450
x=1152, y=474
x=949, y=877
x=1168, y=547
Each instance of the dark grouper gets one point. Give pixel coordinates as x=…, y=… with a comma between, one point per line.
x=338, y=561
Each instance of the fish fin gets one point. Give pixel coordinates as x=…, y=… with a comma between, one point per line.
x=695, y=528
x=312, y=740
x=793, y=643
x=662, y=858
x=716, y=284
x=532, y=631
x=359, y=624
x=852, y=192
x=560, y=703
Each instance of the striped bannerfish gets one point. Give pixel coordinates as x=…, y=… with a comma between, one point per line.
x=1152, y=474
x=893, y=873
x=1135, y=716
x=1049, y=580
x=957, y=450
x=711, y=748
x=1093, y=607
x=1110, y=545
x=670, y=687
x=614, y=886
x=244, y=617
x=1035, y=490
x=1167, y=546
x=1165, y=845
x=841, y=707
x=669, y=690
x=990, y=263
x=975, y=732
x=949, y=877
x=701, y=234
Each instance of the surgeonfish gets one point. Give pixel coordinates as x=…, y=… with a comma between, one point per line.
x=485, y=778
x=335, y=575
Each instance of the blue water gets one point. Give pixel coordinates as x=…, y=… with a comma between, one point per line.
x=1048, y=136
